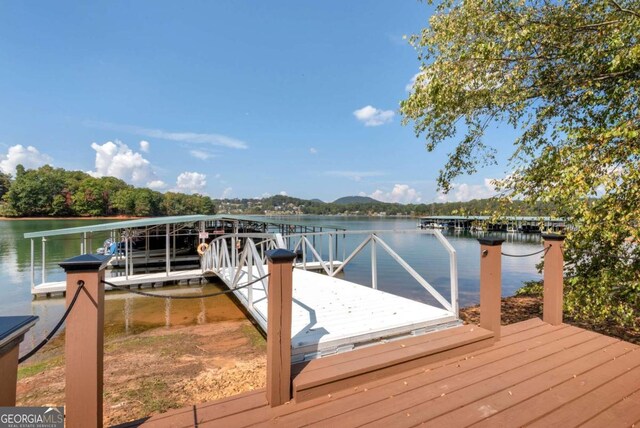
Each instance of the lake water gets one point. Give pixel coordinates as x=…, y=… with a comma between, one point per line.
x=127, y=313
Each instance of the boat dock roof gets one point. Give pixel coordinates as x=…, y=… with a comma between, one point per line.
x=159, y=221
x=486, y=218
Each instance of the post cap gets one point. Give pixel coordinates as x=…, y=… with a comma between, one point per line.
x=491, y=241
x=553, y=237
x=13, y=329
x=85, y=263
x=280, y=255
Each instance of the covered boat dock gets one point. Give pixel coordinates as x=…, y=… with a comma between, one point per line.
x=152, y=251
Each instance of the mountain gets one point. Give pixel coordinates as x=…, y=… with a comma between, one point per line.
x=317, y=200
x=356, y=200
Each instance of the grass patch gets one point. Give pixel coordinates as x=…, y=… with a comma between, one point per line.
x=27, y=370
x=255, y=338
x=152, y=395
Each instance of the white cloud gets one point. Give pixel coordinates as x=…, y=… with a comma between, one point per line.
x=191, y=182
x=313, y=151
x=29, y=157
x=144, y=146
x=201, y=154
x=283, y=193
x=412, y=82
x=401, y=193
x=466, y=192
x=372, y=116
x=156, y=185
x=184, y=137
x=118, y=160
x=354, y=175
x=226, y=193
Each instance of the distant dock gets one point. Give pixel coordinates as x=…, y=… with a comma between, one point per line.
x=521, y=224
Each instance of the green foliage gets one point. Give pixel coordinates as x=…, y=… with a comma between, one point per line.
x=48, y=191
x=566, y=74
x=531, y=288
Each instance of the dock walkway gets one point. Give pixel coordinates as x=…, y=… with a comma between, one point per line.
x=331, y=315
x=536, y=375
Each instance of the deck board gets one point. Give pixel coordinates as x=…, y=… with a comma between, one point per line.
x=536, y=374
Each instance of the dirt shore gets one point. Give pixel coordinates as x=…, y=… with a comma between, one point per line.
x=160, y=369
x=521, y=308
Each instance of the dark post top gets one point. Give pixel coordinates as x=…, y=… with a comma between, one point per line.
x=85, y=263
x=280, y=255
x=553, y=237
x=12, y=329
x=491, y=241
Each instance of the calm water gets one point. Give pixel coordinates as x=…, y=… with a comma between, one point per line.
x=126, y=313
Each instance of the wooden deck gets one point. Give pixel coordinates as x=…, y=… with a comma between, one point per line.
x=536, y=375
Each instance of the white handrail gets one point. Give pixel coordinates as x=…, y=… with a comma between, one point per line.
x=234, y=266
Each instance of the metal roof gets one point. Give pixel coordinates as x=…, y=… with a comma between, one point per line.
x=271, y=220
x=157, y=221
x=128, y=224
x=486, y=217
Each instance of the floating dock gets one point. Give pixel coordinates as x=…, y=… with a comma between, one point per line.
x=331, y=315
x=522, y=224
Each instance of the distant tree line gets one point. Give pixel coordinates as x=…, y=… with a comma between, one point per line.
x=55, y=192
x=488, y=206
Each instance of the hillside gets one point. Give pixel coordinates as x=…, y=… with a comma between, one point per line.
x=356, y=200
x=358, y=205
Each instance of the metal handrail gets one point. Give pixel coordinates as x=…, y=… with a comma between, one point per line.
x=301, y=241
x=230, y=265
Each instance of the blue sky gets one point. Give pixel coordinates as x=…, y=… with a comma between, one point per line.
x=233, y=99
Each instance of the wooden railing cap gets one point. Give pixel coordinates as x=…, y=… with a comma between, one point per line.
x=553, y=237
x=280, y=255
x=491, y=241
x=85, y=263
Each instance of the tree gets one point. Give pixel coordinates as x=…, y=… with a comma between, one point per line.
x=33, y=191
x=566, y=74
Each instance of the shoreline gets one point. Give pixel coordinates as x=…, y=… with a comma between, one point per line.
x=119, y=217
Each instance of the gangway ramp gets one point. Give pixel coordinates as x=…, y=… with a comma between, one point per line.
x=332, y=315
x=329, y=315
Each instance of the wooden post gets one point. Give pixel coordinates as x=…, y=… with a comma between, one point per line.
x=84, y=341
x=12, y=331
x=280, y=297
x=490, y=284
x=553, y=279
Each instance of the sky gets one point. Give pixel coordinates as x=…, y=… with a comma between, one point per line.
x=229, y=99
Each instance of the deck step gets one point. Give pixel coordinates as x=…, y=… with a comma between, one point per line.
x=337, y=372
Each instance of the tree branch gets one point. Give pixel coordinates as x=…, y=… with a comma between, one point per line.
x=621, y=9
